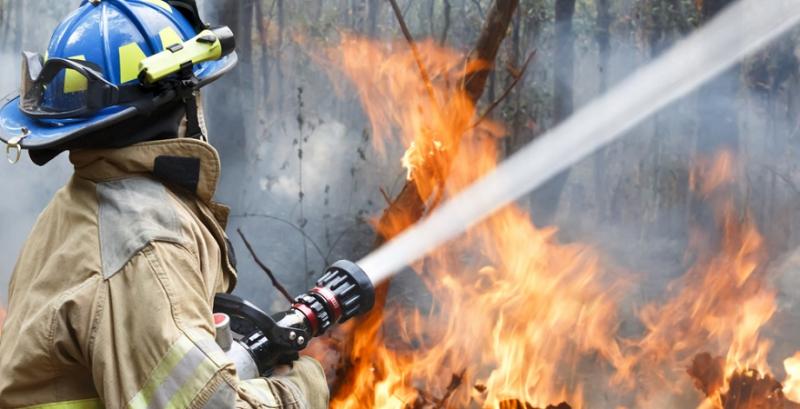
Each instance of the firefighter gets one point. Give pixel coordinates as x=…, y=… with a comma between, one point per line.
x=110, y=302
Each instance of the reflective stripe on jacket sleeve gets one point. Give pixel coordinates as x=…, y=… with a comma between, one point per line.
x=75, y=404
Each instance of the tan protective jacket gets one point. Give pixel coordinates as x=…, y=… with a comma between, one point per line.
x=110, y=301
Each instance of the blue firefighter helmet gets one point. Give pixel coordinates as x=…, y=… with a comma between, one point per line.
x=108, y=61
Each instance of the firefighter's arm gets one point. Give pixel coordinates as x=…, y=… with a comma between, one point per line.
x=152, y=343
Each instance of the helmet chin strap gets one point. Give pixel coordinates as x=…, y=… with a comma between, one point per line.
x=194, y=123
x=193, y=128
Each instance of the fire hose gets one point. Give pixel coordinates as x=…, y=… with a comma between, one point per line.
x=258, y=342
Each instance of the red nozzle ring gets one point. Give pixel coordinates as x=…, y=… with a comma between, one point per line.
x=331, y=299
x=310, y=315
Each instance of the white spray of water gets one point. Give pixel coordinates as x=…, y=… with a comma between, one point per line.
x=741, y=29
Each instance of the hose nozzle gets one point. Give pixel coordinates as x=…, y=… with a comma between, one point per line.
x=343, y=292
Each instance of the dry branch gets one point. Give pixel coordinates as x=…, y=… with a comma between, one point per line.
x=426, y=79
x=277, y=284
x=507, y=92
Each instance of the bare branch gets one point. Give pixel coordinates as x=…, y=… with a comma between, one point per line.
x=426, y=79
x=277, y=284
x=477, y=4
x=386, y=197
x=294, y=226
x=508, y=90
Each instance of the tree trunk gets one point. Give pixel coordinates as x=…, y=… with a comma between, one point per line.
x=492, y=36
x=263, y=23
x=515, y=139
x=603, y=39
x=431, y=14
x=344, y=7
x=718, y=118
x=446, y=28
x=279, y=55
x=545, y=200
x=358, y=11
x=659, y=35
x=316, y=16
x=372, y=17
x=564, y=61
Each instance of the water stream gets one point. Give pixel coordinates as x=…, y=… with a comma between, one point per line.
x=741, y=29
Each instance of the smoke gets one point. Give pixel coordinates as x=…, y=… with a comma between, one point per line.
x=26, y=190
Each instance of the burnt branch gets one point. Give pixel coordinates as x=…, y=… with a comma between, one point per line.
x=518, y=404
x=455, y=382
x=747, y=388
x=275, y=283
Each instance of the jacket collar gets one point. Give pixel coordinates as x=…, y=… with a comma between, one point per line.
x=195, y=164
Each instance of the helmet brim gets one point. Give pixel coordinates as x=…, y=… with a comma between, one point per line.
x=50, y=134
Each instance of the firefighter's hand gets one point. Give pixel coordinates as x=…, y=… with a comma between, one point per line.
x=281, y=370
x=324, y=350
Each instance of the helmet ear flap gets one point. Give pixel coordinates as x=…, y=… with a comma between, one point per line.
x=190, y=11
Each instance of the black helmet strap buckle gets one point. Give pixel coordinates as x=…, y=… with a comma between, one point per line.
x=184, y=86
x=188, y=90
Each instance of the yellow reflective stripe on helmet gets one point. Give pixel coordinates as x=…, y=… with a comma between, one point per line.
x=73, y=81
x=73, y=404
x=160, y=3
x=178, y=379
x=169, y=37
x=130, y=55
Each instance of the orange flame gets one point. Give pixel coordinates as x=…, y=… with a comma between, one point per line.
x=506, y=293
x=791, y=386
x=510, y=313
x=429, y=120
x=719, y=305
x=535, y=307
